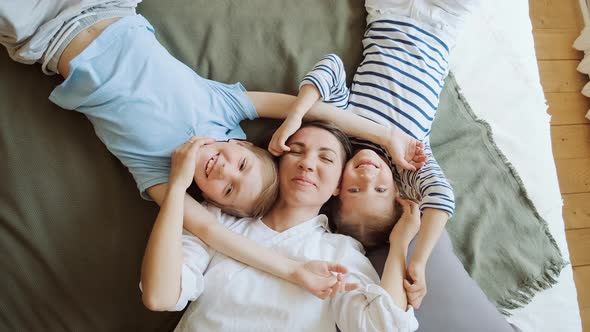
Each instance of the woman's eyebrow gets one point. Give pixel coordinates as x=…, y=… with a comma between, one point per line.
x=323, y=148
x=301, y=144
x=327, y=149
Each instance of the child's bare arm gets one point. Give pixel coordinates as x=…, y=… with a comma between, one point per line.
x=161, y=268
x=308, y=95
x=394, y=271
x=432, y=224
x=200, y=222
x=405, y=151
x=437, y=205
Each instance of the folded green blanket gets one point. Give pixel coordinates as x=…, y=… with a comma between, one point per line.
x=496, y=231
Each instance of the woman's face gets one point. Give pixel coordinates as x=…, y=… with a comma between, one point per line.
x=309, y=174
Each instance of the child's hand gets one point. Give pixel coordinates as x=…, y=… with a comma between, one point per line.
x=405, y=151
x=322, y=279
x=184, y=160
x=279, y=138
x=415, y=284
x=408, y=224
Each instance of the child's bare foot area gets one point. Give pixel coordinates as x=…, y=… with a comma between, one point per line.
x=408, y=225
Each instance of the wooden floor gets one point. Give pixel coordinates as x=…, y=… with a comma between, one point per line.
x=556, y=24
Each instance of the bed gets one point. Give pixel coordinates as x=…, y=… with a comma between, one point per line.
x=503, y=79
x=72, y=225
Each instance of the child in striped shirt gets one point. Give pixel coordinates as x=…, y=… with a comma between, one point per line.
x=406, y=51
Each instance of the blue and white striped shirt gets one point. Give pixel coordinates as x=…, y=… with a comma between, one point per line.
x=397, y=84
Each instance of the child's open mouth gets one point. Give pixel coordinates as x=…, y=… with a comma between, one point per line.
x=366, y=163
x=211, y=164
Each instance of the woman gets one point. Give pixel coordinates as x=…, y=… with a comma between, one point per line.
x=229, y=295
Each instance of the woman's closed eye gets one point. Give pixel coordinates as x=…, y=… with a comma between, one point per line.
x=354, y=190
x=327, y=159
x=327, y=156
x=243, y=164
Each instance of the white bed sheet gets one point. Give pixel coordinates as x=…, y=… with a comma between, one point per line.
x=495, y=65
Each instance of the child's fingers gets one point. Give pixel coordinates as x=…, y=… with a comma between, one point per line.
x=411, y=204
x=328, y=282
x=415, y=301
x=404, y=203
x=336, y=288
x=271, y=146
x=277, y=146
x=275, y=150
x=284, y=147
x=420, y=145
x=200, y=140
x=409, y=287
x=337, y=268
x=350, y=287
x=420, y=164
x=406, y=165
x=419, y=158
x=412, y=288
x=324, y=294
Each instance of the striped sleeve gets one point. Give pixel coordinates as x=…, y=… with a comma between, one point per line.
x=428, y=185
x=329, y=77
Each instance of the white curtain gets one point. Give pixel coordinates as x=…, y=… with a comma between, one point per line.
x=582, y=43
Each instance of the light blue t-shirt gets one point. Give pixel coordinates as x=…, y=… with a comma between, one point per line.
x=144, y=103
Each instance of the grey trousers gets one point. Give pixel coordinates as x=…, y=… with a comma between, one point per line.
x=454, y=302
x=39, y=30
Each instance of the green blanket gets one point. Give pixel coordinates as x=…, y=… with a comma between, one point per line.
x=496, y=231
x=72, y=225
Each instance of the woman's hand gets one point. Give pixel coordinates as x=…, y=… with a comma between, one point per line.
x=322, y=279
x=184, y=160
x=404, y=150
x=277, y=144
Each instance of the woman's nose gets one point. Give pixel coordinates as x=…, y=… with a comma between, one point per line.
x=306, y=164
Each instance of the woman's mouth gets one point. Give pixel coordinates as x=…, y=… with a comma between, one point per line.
x=303, y=181
x=210, y=164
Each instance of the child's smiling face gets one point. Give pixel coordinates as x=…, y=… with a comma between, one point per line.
x=230, y=174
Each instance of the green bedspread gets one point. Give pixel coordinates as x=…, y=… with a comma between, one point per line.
x=72, y=225
x=497, y=232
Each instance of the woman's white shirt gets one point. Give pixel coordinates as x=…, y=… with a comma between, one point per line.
x=230, y=296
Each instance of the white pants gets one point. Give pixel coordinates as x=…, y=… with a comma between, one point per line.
x=39, y=30
x=445, y=17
